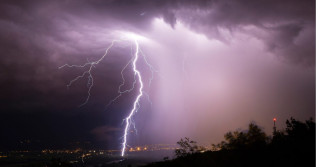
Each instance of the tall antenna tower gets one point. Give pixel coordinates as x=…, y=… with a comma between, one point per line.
x=274, y=125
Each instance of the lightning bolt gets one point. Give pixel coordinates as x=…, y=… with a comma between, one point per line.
x=136, y=102
x=137, y=79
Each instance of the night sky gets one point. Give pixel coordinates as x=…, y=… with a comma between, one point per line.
x=221, y=64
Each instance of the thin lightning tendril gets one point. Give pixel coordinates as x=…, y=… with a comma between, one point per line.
x=150, y=67
x=137, y=78
x=120, y=92
x=90, y=78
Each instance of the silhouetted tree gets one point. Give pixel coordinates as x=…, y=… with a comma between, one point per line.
x=300, y=130
x=294, y=146
x=219, y=146
x=187, y=146
x=253, y=138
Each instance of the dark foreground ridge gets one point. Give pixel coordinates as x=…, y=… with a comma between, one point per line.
x=294, y=146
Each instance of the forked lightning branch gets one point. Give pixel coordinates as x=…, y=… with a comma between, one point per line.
x=89, y=66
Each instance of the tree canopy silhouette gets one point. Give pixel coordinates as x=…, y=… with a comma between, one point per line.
x=253, y=138
x=293, y=146
x=187, y=147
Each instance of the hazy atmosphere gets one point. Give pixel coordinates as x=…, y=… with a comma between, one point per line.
x=216, y=65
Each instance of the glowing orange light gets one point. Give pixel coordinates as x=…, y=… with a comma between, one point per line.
x=274, y=119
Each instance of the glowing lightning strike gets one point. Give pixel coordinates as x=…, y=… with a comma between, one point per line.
x=90, y=78
x=137, y=79
x=136, y=102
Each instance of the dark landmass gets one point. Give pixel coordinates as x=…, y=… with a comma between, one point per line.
x=294, y=146
x=80, y=158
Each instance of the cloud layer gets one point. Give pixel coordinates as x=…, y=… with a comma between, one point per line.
x=264, y=46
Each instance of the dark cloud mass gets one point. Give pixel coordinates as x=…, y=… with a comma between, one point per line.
x=38, y=36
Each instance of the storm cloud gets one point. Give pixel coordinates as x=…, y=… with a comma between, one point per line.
x=263, y=46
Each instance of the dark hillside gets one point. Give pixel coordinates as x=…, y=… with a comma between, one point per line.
x=295, y=146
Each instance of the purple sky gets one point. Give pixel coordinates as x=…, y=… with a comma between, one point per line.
x=221, y=63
